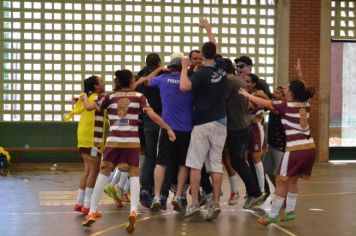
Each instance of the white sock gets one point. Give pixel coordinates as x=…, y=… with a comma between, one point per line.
x=260, y=176
x=291, y=201
x=111, y=176
x=87, y=199
x=233, y=183
x=135, y=192
x=116, y=177
x=277, y=203
x=127, y=187
x=80, y=197
x=123, y=179
x=98, y=192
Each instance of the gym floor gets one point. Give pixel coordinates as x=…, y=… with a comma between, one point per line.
x=37, y=200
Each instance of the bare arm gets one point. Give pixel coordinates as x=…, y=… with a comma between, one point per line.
x=150, y=76
x=185, y=84
x=259, y=101
x=89, y=106
x=159, y=121
x=204, y=23
x=298, y=70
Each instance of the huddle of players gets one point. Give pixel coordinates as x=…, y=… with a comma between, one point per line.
x=203, y=108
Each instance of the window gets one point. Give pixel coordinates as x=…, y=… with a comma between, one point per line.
x=49, y=47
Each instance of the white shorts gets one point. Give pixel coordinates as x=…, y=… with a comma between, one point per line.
x=206, y=146
x=272, y=160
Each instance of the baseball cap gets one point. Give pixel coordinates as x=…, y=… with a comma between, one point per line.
x=176, y=59
x=245, y=59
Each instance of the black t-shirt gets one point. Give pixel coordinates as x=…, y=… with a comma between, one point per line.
x=262, y=85
x=152, y=94
x=209, y=85
x=276, y=134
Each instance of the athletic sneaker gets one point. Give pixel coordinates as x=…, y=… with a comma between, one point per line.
x=85, y=210
x=156, y=204
x=177, y=204
x=146, y=198
x=213, y=212
x=119, y=192
x=253, y=201
x=90, y=219
x=110, y=191
x=209, y=200
x=118, y=203
x=77, y=208
x=126, y=197
x=192, y=210
x=130, y=227
x=266, y=220
x=205, y=198
x=289, y=216
x=233, y=198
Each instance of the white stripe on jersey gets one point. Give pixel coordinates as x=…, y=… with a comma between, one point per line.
x=99, y=118
x=128, y=116
x=98, y=129
x=293, y=131
x=131, y=105
x=299, y=142
x=123, y=139
x=295, y=115
x=293, y=125
x=97, y=140
x=123, y=128
x=298, y=104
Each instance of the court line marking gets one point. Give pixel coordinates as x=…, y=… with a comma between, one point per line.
x=184, y=223
x=274, y=225
x=124, y=224
x=325, y=194
x=61, y=212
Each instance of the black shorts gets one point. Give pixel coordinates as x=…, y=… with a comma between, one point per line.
x=174, y=153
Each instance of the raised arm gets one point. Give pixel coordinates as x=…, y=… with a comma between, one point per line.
x=259, y=101
x=298, y=70
x=204, y=23
x=184, y=83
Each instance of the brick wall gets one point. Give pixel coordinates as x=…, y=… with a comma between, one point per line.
x=304, y=43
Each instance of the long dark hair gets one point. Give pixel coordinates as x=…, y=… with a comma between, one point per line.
x=301, y=93
x=89, y=84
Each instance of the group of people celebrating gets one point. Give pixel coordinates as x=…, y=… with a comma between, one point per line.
x=190, y=119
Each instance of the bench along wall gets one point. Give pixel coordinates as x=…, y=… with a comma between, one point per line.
x=40, y=141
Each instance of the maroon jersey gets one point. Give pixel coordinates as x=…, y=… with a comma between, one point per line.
x=123, y=109
x=294, y=117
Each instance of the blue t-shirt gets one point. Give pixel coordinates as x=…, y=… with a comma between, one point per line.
x=177, y=106
x=209, y=85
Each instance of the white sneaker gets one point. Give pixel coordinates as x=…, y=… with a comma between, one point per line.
x=213, y=212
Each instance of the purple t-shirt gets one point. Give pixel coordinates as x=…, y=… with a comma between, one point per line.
x=177, y=106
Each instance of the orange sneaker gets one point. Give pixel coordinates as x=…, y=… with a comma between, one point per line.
x=118, y=203
x=77, y=208
x=125, y=197
x=85, y=210
x=130, y=227
x=89, y=220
